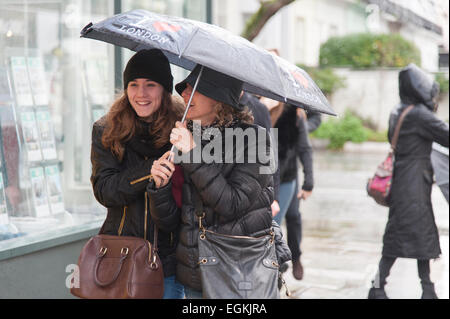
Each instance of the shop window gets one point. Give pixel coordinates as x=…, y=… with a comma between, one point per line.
x=53, y=86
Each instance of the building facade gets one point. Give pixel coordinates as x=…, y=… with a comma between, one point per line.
x=299, y=29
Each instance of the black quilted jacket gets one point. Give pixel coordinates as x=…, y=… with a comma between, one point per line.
x=120, y=187
x=236, y=200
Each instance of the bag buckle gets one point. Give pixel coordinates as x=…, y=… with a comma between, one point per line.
x=153, y=264
x=102, y=251
x=124, y=251
x=201, y=227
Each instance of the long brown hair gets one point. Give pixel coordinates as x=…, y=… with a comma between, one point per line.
x=275, y=113
x=121, y=121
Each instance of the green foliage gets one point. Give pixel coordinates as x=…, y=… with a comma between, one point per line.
x=366, y=50
x=341, y=130
x=325, y=78
x=443, y=83
x=374, y=136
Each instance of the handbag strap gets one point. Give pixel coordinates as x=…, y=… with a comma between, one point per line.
x=198, y=208
x=398, y=126
x=155, y=228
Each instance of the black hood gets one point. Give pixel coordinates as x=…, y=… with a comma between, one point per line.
x=417, y=87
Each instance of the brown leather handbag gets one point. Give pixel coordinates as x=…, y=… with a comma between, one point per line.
x=118, y=267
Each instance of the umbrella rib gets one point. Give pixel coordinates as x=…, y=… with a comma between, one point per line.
x=280, y=79
x=189, y=42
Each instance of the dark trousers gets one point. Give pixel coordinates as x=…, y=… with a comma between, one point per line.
x=386, y=263
x=294, y=225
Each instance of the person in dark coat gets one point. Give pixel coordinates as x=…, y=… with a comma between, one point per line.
x=235, y=195
x=261, y=117
x=293, y=144
x=293, y=214
x=411, y=230
x=292, y=193
x=125, y=142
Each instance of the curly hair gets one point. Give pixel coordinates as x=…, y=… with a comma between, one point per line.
x=225, y=114
x=121, y=122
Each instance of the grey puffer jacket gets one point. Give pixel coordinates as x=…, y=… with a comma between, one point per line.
x=236, y=200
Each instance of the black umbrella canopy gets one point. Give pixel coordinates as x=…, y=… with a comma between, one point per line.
x=439, y=160
x=187, y=43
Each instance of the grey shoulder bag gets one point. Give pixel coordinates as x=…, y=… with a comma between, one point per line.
x=236, y=267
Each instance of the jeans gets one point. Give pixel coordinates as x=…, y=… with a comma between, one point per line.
x=287, y=191
x=192, y=293
x=294, y=226
x=173, y=289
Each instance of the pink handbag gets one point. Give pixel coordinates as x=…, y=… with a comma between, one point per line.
x=379, y=186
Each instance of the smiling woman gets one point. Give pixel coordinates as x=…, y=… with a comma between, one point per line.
x=146, y=74
x=125, y=142
x=145, y=97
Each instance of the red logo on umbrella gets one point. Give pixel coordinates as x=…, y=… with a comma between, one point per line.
x=300, y=78
x=163, y=26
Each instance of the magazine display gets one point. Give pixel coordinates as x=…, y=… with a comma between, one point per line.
x=37, y=80
x=30, y=136
x=54, y=189
x=5, y=92
x=46, y=134
x=40, y=181
x=21, y=83
x=39, y=192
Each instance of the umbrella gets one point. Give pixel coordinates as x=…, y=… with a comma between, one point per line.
x=187, y=43
x=439, y=160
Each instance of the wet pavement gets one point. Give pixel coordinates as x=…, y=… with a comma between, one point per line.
x=343, y=230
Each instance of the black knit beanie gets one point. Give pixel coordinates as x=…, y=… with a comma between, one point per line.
x=149, y=64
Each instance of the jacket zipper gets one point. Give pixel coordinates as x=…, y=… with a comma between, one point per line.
x=122, y=221
x=149, y=177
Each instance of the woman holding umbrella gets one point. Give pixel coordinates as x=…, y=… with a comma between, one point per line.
x=125, y=142
x=235, y=197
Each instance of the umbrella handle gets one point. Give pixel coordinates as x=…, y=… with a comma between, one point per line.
x=188, y=106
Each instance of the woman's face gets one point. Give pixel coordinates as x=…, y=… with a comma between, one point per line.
x=202, y=107
x=145, y=96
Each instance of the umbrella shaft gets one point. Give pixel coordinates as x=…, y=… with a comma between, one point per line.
x=188, y=105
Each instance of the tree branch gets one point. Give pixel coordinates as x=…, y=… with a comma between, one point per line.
x=257, y=21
